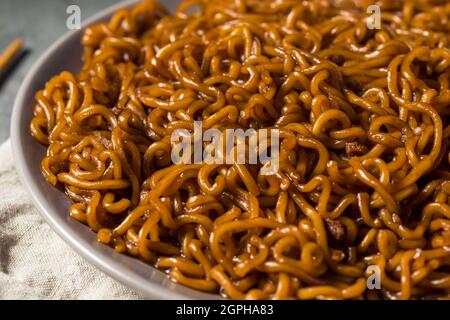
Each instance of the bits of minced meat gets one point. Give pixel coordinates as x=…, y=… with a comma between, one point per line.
x=353, y=149
x=335, y=229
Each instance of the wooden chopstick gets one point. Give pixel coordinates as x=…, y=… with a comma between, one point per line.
x=8, y=55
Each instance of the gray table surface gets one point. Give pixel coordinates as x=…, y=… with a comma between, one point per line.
x=39, y=23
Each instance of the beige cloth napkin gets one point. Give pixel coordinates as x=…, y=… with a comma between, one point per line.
x=34, y=262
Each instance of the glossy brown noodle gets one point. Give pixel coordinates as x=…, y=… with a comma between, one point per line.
x=364, y=158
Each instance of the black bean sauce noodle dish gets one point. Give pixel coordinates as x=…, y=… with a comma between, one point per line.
x=362, y=191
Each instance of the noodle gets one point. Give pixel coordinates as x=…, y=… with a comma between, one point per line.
x=363, y=178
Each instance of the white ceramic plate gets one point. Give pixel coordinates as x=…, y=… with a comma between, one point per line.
x=65, y=54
